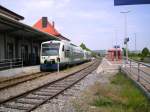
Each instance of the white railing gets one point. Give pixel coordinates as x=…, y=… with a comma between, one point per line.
x=11, y=63
x=139, y=71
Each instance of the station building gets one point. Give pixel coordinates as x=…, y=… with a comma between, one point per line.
x=114, y=54
x=20, y=41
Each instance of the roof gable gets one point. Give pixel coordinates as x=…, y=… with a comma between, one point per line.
x=49, y=28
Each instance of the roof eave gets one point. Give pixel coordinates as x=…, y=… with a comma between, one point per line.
x=22, y=26
x=11, y=13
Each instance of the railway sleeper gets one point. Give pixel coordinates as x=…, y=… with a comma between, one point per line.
x=67, y=94
x=68, y=80
x=37, y=97
x=43, y=94
x=5, y=109
x=63, y=83
x=63, y=86
x=27, y=102
x=48, y=91
x=55, y=88
x=18, y=106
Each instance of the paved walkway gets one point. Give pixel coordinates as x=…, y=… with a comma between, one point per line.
x=108, y=66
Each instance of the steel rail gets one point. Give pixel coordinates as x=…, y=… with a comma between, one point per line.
x=73, y=77
x=60, y=92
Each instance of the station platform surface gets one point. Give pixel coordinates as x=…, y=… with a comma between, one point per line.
x=109, y=66
x=14, y=72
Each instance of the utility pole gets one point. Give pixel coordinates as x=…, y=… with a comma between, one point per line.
x=125, y=33
x=135, y=41
x=116, y=45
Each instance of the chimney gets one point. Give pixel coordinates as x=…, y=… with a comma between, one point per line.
x=53, y=24
x=44, y=22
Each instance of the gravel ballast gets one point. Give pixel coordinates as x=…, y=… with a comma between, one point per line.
x=64, y=102
x=29, y=85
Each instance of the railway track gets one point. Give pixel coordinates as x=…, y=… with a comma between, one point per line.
x=18, y=80
x=31, y=100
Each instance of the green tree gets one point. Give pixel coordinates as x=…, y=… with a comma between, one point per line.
x=139, y=54
x=145, y=52
x=83, y=46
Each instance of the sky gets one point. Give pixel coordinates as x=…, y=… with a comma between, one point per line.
x=97, y=23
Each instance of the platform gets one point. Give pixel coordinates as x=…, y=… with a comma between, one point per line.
x=108, y=66
x=15, y=72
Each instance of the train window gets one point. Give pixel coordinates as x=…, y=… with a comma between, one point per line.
x=67, y=53
x=50, y=51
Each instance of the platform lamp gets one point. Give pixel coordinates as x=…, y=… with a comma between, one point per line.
x=126, y=40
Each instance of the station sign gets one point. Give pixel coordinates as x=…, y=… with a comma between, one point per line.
x=130, y=2
x=126, y=40
x=116, y=46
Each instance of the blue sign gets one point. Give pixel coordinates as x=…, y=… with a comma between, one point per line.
x=116, y=46
x=131, y=2
x=126, y=40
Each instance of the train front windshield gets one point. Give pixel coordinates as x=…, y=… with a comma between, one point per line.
x=50, y=49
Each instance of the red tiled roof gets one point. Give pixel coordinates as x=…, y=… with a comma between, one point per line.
x=49, y=29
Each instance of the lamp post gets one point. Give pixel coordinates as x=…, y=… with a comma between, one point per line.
x=125, y=33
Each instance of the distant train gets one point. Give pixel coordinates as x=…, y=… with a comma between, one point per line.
x=63, y=52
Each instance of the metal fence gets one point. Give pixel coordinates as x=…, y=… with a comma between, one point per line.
x=11, y=63
x=139, y=71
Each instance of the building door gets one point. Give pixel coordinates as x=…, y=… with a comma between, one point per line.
x=10, y=50
x=35, y=55
x=24, y=54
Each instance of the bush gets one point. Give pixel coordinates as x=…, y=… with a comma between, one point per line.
x=145, y=52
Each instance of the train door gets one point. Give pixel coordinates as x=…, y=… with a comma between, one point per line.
x=67, y=53
x=10, y=50
x=63, y=53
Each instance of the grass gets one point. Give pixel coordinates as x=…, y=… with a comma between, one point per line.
x=140, y=59
x=136, y=58
x=120, y=95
